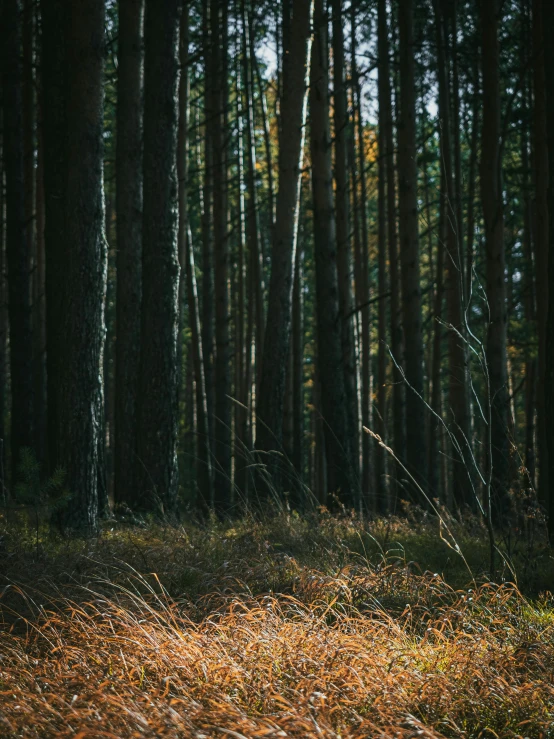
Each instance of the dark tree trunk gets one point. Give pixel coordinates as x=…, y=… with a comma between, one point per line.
x=381, y=410
x=458, y=370
x=362, y=281
x=19, y=226
x=156, y=462
x=409, y=248
x=3, y=334
x=187, y=284
x=434, y=479
x=396, y=341
x=298, y=371
x=491, y=196
x=548, y=463
x=129, y=244
x=543, y=211
x=207, y=223
x=222, y=376
x=39, y=297
x=277, y=332
x=72, y=67
x=340, y=464
x=342, y=196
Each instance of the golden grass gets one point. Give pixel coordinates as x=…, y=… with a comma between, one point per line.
x=268, y=646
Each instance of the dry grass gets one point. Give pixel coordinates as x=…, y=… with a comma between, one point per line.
x=265, y=643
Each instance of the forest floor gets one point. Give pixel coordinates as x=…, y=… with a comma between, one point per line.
x=293, y=627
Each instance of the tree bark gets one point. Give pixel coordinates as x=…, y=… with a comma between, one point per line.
x=129, y=244
x=458, y=362
x=3, y=335
x=493, y=215
x=156, y=470
x=541, y=238
x=72, y=68
x=409, y=249
x=548, y=463
x=341, y=478
x=381, y=410
x=19, y=224
x=277, y=331
x=207, y=227
x=342, y=207
x=396, y=339
x=222, y=376
x=187, y=285
x=362, y=282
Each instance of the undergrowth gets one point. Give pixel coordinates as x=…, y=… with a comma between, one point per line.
x=292, y=627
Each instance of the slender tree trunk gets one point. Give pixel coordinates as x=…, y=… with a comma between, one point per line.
x=39, y=297
x=3, y=332
x=276, y=341
x=458, y=388
x=541, y=238
x=381, y=411
x=207, y=226
x=491, y=196
x=409, y=249
x=72, y=67
x=265, y=127
x=548, y=463
x=473, y=154
x=18, y=234
x=362, y=282
x=253, y=237
x=129, y=244
x=529, y=278
x=298, y=371
x=340, y=462
x=434, y=479
x=342, y=198
x=222, y=377
x=157, y=470
x=396, y=339
x=187, y=285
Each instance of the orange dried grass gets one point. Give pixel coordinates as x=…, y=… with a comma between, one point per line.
x=326, y=661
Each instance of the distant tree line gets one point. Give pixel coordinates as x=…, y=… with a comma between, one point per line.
x=234, y=234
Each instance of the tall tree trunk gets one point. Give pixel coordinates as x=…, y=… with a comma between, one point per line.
x=187, y=285
x=342, y=197
x=157, y=470
x=458, y=370
x=541, y=237
x=298, y=372
x=3, y=334
x=222, y=379
x=39, y=297
x=362, y=280
x=72, y=68
x=207, y=225
x=396, y=339
x=548, y=463
x=409, y=248
x=340, y=464
x=434, y=479
x=529, y=277
x=473, y=155
x=381, y=411
x=491, y=196
x=129, y=244
x=253, y=239
x=277, y=332
x=18, y=236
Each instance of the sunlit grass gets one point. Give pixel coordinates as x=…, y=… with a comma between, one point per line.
x=314, y=627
